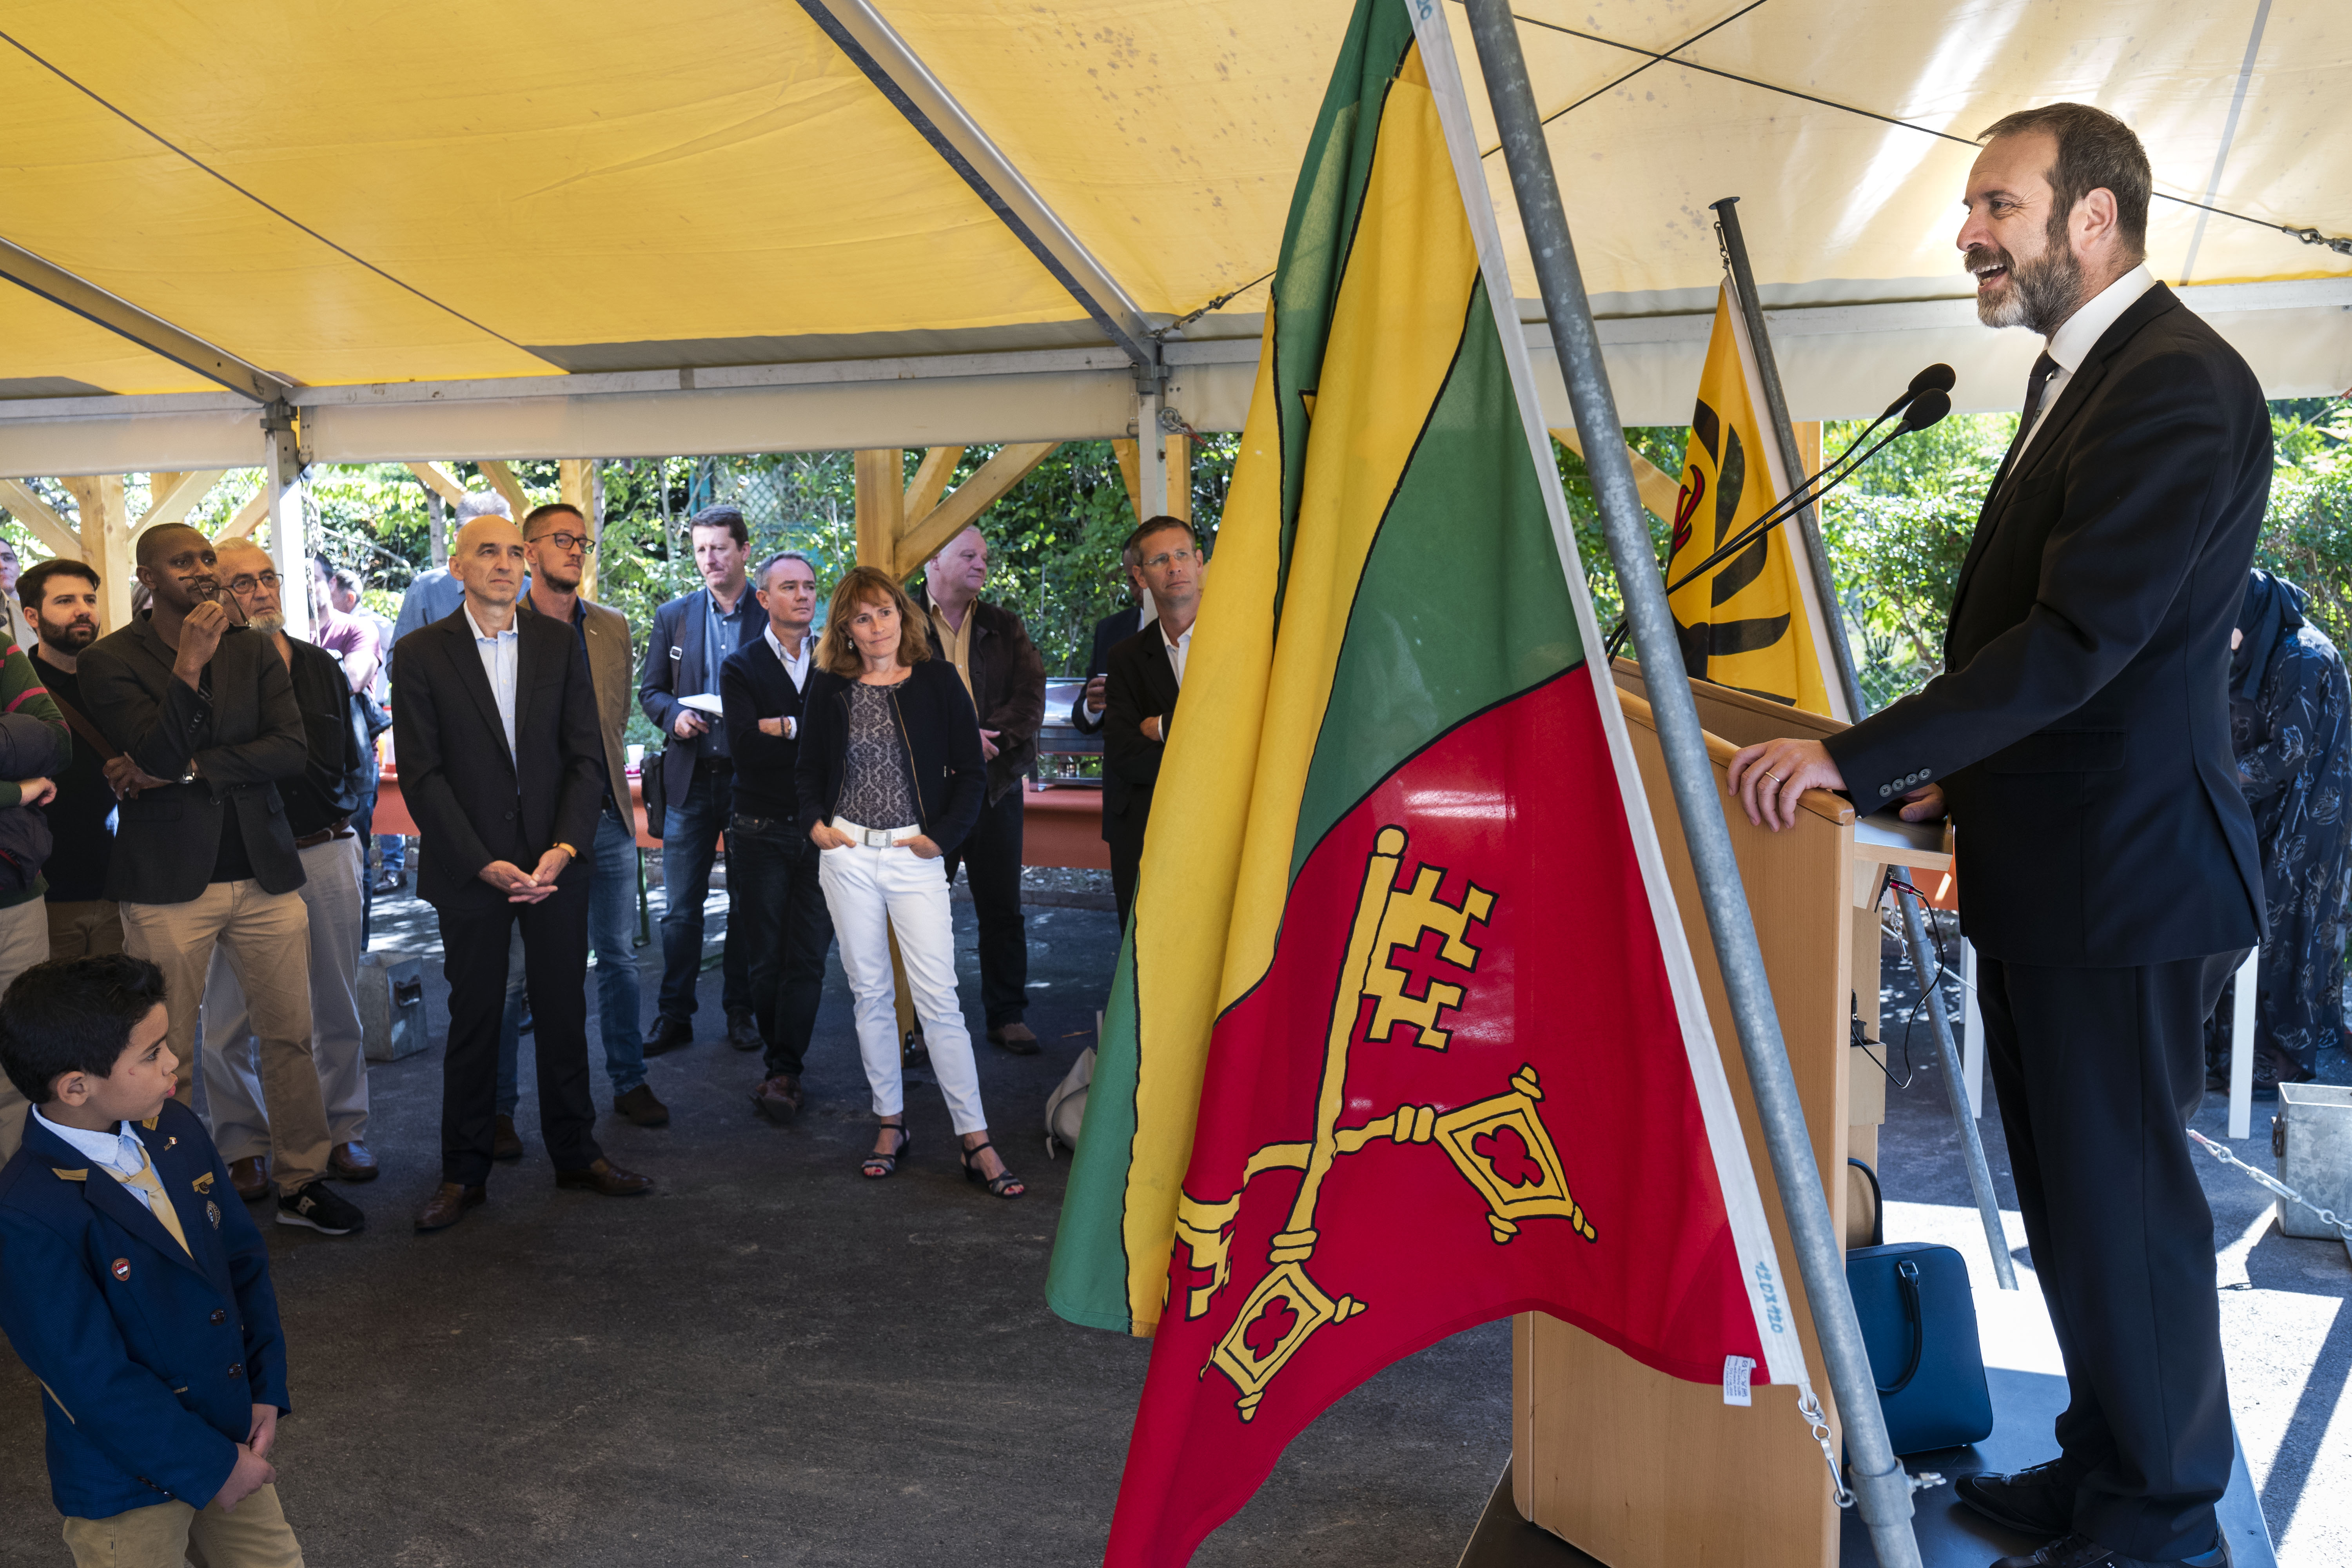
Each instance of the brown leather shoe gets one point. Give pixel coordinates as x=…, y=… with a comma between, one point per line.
x=250, y=1177
x=505, y=1142
x=351, y=1162
x=606, y=1180
x=448, y=1205
x=779, y=1099
x=1018, y=1038
x=641, y=1108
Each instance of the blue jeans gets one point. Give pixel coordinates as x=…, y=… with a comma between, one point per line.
x=393, y=850
x=611, y=935
x=690, y=845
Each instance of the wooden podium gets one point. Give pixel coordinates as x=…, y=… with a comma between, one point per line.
x=1637, y=1468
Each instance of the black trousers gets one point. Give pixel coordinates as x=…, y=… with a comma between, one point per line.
x=1126, y=865
x=779, y=912
x=991, y=857
x=476, y=930
x=2098, y=1071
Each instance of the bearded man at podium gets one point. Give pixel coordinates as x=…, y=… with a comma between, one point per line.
x=2080, y=737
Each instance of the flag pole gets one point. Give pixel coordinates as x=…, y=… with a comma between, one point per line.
x=1776, y=409
x=1925, y=960
x=1883, y=1489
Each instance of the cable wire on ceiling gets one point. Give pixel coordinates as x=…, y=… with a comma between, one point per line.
x=2340, y=244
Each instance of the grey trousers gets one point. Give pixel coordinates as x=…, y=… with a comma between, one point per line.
x=233, y=1089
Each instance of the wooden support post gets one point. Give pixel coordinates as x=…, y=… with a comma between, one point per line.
x=931, y=479
x=576, y=480
x=502, y=480
x=881, y=474
x=250, y=516
x=55, y=534
x=921, y=538
x=1180, y=478
x=439, y=482
x=1130, y=468
x=105, y=534
x=170, y=497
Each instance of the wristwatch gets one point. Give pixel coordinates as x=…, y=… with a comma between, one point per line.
x=567, y=848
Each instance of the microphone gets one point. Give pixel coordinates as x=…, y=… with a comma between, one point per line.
x=1926, y=402
x=1936, y=378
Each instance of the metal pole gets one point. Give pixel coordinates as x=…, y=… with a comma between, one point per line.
x=1884, y=1491
x=1817, y=560
x=1925, y=959
x=1776, y=408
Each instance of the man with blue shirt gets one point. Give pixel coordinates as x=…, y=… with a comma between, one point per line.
x=501, y=761
x=692, y=637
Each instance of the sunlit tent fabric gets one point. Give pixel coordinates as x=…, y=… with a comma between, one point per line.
x=1402, y=950
x=579, y=229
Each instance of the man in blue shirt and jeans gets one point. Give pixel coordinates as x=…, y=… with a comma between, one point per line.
x=692, y=637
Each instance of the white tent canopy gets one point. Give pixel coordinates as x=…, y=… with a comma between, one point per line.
x=594, y=229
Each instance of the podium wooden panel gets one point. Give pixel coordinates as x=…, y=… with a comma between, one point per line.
x=1643, y=1471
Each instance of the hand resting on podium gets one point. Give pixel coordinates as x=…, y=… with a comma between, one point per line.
x=1767, y=779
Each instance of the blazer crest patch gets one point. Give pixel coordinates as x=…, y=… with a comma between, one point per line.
x=212, y=1211
x=122, y=1270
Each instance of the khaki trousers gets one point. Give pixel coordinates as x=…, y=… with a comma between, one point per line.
x=24, y=943
x=91, y=928
x=235, y=1104
x=267, y=937
x=253, y=1535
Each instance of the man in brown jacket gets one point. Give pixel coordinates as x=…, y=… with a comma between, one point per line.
x=991, y=649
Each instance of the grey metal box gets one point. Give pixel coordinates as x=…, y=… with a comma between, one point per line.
x=2313, y=1140
x=392, y=1005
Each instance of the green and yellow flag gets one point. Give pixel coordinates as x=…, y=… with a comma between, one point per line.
x=1751, y=622
x=1403, y=948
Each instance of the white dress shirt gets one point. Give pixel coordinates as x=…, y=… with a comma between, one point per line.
x=119, y=1151
x=502, y=662
x=795, y=667
x=2071, y=343
x=1178, y=648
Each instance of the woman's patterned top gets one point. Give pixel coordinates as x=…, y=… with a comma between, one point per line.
x=875, y=788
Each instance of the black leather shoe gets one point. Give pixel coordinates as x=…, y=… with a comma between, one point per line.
x=668, y=1035
x=2038, y=1502
x=2081, y=1552
x=744, y=1033
x=608, y=1179
x=641, y=1109
x=448, y=1205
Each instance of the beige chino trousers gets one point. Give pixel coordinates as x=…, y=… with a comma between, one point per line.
x=253, y=1535
x=266, y=940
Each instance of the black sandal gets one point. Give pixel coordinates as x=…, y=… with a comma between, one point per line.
x=1004, y=1185
x=876, y=1165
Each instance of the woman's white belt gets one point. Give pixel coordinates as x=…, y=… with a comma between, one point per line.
x=877, y=837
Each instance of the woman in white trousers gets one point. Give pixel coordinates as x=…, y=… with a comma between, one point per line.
x=891, y=777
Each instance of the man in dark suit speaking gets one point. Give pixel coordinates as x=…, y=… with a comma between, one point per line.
x=2080, y=737
x=502, y=763
x=1147, y=671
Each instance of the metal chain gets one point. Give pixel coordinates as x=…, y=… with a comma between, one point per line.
x=2326, y=1217
x=1809, y=1406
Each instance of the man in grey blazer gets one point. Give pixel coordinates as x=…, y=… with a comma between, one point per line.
x=205, y=716
x=557, y=545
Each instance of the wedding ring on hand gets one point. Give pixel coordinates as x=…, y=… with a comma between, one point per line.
x=1776, y=778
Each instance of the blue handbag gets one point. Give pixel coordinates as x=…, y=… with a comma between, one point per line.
x=1919, y=1322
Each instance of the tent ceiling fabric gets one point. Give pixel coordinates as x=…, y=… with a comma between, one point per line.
x=374, y=197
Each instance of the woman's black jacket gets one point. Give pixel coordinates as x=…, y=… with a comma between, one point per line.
x=939, y=735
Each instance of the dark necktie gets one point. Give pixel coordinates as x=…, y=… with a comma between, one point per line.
x=2036, y=383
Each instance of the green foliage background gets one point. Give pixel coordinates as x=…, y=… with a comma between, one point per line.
x=1895, y=534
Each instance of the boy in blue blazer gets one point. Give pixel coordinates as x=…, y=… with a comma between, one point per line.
x=134, y=1286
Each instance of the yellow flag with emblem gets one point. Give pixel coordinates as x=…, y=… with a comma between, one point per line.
x=1751, y=622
